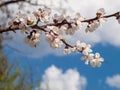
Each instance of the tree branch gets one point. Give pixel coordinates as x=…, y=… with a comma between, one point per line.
x=107, y=16
x=8, y=29
x=55, y=24
x=16, y=1
x=11, y=2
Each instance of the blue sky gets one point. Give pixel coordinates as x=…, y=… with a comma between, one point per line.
x=96, y=77
x=105, y=40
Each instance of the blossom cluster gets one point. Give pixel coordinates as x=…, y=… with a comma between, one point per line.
x=23, y=21
x=56, y=27
x=53, y=39
x=85, y=49
x=94, y=24
x=42, y=15
x=33, y=38
x=94, y=59
x=67, y=24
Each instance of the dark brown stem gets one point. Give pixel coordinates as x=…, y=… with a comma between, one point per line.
x=56, y=24
x=38, y=27
x=11, y=2
x=107, y=16
x=8, y=29
x=24, y=1
x=66, y=43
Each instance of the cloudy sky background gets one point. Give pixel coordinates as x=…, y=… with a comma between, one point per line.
x=104, y=34
x=68, y=72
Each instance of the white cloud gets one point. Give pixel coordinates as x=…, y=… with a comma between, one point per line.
x=108, y=33
x=55, y=79
x=114, y=81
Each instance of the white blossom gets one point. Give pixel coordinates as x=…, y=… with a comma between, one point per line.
x=67, y=51
x=93, y=63
x=97, y=60
x=100, y=12
x=97, y=55
x=54, y=40
x=78, y=18
x=80, y=45
x=23, y=22
x=79, y=25
x=94, y=59
x=56, y=29
x=57, y=43
x=18, y=19
x=87, y=58
x=68, y=27
x=102, y=20
x=73, y=49
x=70, y=31
x=58, y=18
x=83, y=47
x=34, y=42
x=49, y=37
x=26, y=23
x=33, y=39
x=87, y=49
x=63, y=29
x=43, y=15
x=68, y=18
x=93, y=26
x=74, y=26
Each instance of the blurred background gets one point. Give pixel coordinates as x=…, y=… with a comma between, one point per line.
x=43, y=68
